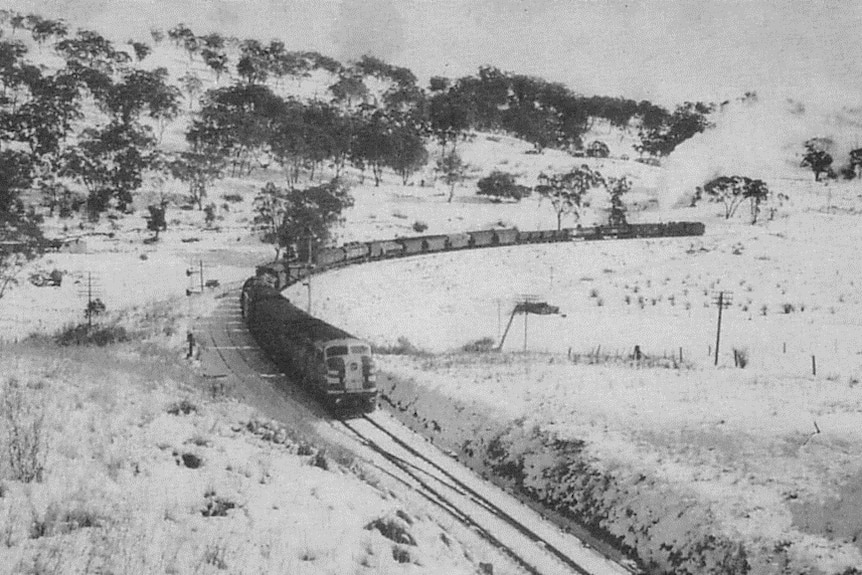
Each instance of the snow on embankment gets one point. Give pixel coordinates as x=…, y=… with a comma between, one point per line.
x=681, y=495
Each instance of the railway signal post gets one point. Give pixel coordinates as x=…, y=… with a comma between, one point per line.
x=722, y=299
x=527, y=305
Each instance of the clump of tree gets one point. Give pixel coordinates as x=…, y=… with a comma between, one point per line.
x=197, y=167
x=597, y=149
x=21, y=240
x=291, y=217
x=617, y=188
x=660, y=134
x=501, y=186
x=818, y=158
x=732, y=191
x=549, y=114
x=157, y=220
x=567, y=190
x=90, y=120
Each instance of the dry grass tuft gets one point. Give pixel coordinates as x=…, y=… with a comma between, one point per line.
x=25, y=443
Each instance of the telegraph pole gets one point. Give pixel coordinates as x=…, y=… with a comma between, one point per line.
x=721, y=300
x=308, y=275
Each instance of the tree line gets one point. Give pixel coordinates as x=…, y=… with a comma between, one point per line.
x=94, y=122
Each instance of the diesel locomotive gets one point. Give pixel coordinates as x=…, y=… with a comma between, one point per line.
x=329, y=362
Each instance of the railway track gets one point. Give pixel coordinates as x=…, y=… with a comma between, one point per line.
x=518, y=532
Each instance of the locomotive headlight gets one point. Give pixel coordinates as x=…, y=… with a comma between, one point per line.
x=369, y=372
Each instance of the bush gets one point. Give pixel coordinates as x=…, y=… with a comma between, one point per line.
x=94, y=308
x=62, y=519
x=740, y=357
x=402, y=347
x=184, y=407
x=216, y=506
x=597, y=149
x=394, y=529
x=84, y=334
x=482, y=345
x=234, y=198
x=24, y=429
x=209, y=215
x=319, y=460
x=501, y=186
x=419, y=227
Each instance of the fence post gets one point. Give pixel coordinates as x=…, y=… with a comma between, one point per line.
x=813, y=365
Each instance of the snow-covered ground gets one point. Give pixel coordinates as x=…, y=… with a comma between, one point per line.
x=144, y=474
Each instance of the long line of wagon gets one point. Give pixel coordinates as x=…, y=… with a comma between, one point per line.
x=321, y=259
x=408, y=246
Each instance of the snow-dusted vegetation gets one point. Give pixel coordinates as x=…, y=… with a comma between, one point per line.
x=137, y=174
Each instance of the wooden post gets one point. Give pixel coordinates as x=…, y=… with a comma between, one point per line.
x=680, y=354
x=89, y=300
x=813, y=365
x=718, y=330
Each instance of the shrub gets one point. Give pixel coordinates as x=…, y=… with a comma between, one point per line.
x=597, y=149
x=400, y=554
x=320, y=460
x=402, y=347
x=24, y=423
x=419, y=227
x=740, y=357
x=216, y=506
x=183, y=407
x=59, y=520
x=94, y=307
x=190, y=460
x=482, y=345
x=234, y=198
x=501, y=186
x=394, y=529
x=209, y=215
x=84, y=334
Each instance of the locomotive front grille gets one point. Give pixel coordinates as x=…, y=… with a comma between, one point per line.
x=353, y=378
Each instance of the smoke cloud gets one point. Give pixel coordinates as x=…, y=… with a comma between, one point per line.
x=763, y=138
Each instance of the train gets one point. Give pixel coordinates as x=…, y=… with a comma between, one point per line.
x=338, y=367
x=331, y=364
x=359, y=252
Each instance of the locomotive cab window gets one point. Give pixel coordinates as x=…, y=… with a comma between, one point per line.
x=360, y=349
x=336, y=350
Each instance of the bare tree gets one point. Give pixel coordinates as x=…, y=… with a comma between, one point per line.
x=452, y=170
x=566, y=191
